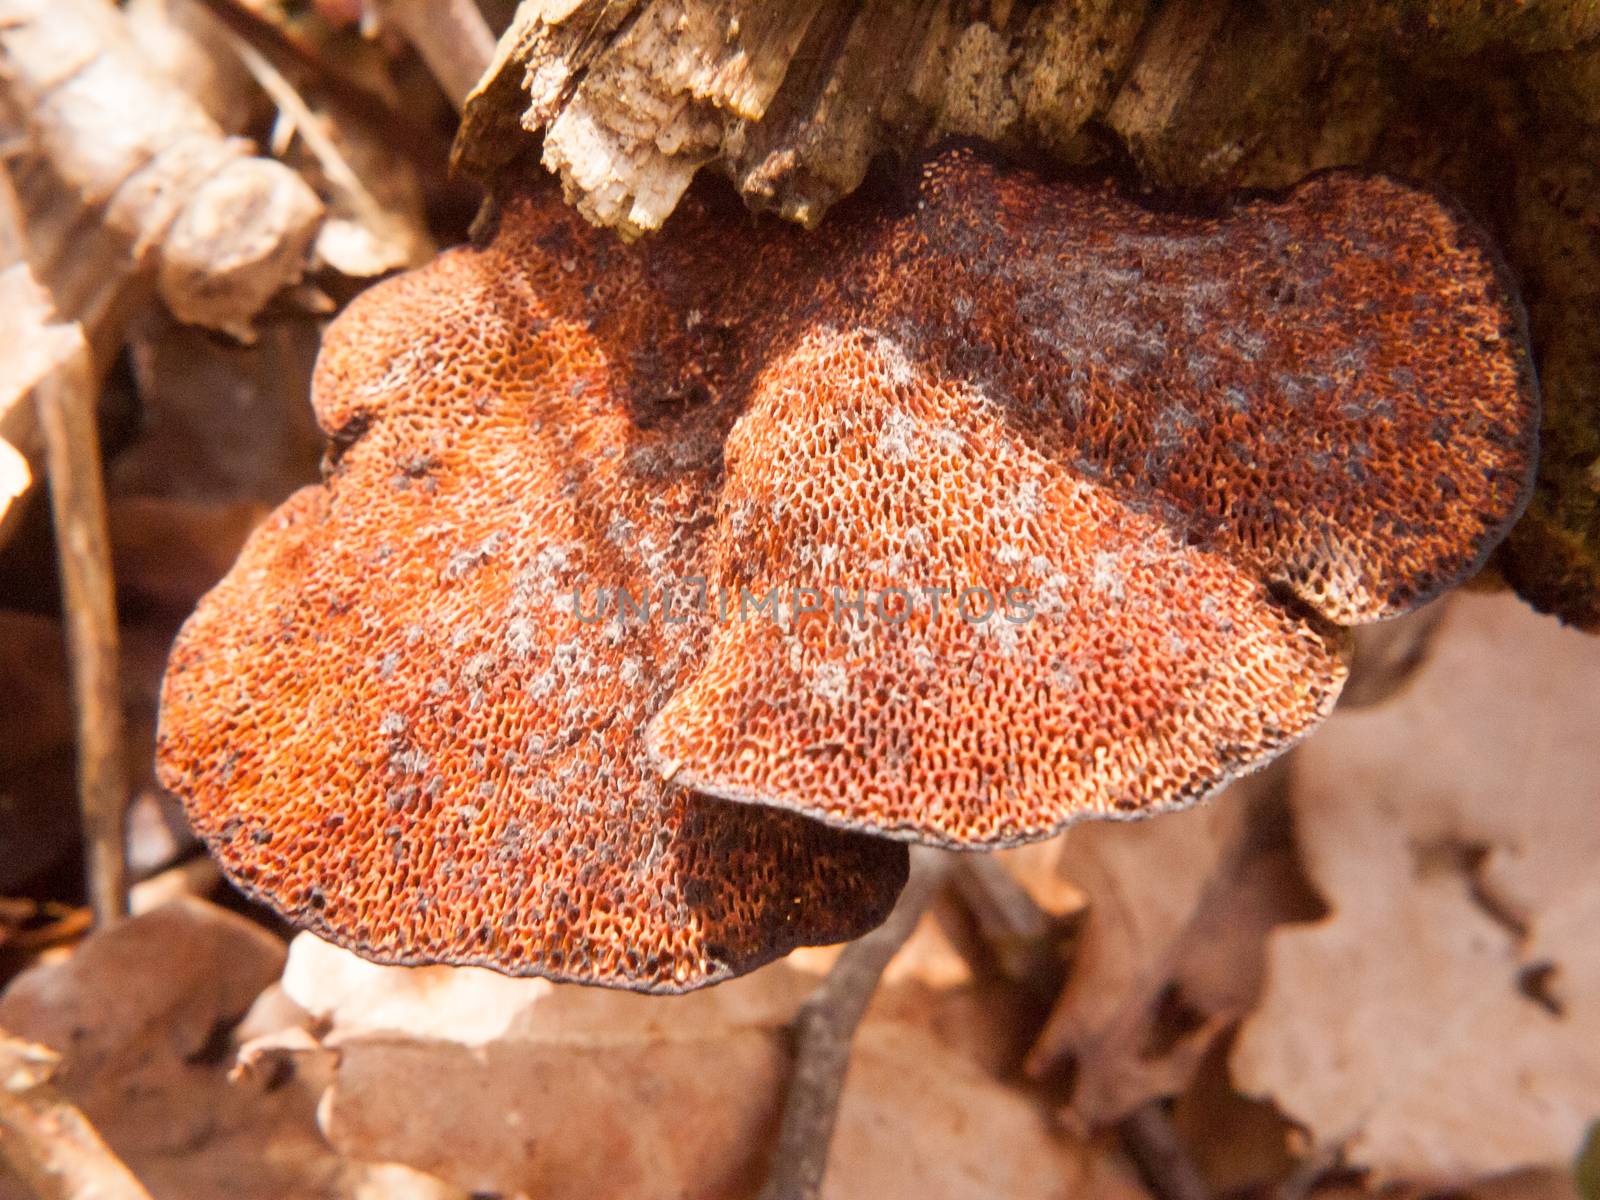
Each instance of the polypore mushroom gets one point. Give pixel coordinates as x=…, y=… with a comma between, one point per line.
x=953, y=522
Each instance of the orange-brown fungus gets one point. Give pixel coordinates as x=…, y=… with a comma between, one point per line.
x=1064, y=500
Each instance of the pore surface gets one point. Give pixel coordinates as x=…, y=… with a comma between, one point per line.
x=953, y=522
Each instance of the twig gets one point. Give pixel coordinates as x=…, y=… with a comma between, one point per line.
x=825, y=1029
x=199, y=876
x=1161, y=1155
x=47, y=1141
x=29, y=926
x=65, y=402
x=1310, y=1171
x=353, y=93
x=324, y=149
x=32, y=345
x=1023, y=938
x=451, y=36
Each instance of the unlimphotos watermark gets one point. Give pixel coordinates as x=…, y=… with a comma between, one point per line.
x=692, y=597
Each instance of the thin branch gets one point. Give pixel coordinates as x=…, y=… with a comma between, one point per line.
x=29, y=926
x=1309, y=1172
x=335, y=78
x=65, y=404
x=1024, y=939
x=47, y=1141
x=451, y=36
x=341, y=175
x=1162, y=1157
x=825, y=1030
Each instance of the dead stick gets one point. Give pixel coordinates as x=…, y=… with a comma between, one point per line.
x=825, y=1029
x=1161, y=1156
x=1020, y=935
x=451, y=36
x=1309, y=1172
x=46, y=1141
x=322, y=146
x=355, y=94
x=65, y=403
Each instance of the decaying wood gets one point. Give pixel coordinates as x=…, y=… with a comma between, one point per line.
x=791, y=98
x=163, y=195
x=826, y=1028
x=46, y=1140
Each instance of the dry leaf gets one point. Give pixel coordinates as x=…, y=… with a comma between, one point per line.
x=1388, y=654
x=189, y=44
x=33, y=343
x=220, y=422
x=1444, y=1021
x=498, y=1084
x=47, y=1141
x=1170, y=952
x=1520, y=1185
x=1238, y=1144
x=167, y=552
x=592, y=1117
x=920, y=1123
x=221, y=232
x=391, y=1181
x=142, y=1015
x=1037, y=868
x=1586, y=1170
x=477, y=1007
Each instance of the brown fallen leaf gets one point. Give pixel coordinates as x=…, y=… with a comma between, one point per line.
x=1443, y=1022
x=1171, y=948
x=218, y=421
x=142, y=1015
x=375, y=221
x=167, y=552
x=39, y=816
x=1388, y=654
x=188, y=44
x=47, y=1141
x=1237, y=1144
x=1519, y=1185
x=499, y=1084
x=1586, y=1167
x=219, y=230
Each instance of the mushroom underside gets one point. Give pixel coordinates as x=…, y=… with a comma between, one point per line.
x=657, y=594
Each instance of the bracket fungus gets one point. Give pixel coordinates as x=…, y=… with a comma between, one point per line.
x=657, y=594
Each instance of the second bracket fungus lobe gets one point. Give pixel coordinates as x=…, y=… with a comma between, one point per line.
x=1113, y=479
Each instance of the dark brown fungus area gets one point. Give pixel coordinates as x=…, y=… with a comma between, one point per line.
x=954, y=522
